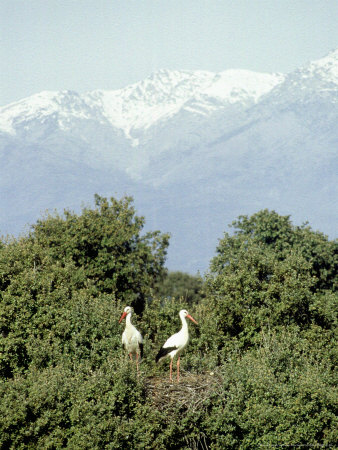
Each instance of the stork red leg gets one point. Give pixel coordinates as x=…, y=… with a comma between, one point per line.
x=171, y=370
x=130, y=356
x=178, y=369
x=137, y=356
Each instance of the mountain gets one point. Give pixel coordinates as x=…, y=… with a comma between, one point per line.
x=195, y=149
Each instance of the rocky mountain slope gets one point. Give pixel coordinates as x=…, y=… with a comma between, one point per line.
x=194, y=149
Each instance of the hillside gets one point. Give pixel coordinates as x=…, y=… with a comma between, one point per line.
x=194, y=149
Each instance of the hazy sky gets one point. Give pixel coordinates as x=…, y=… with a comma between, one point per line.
x=106, y=44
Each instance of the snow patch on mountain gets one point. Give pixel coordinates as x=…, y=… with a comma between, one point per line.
x=60, y=107
x=194, y=148
x=234, y=86
x=326, y=67
x=139, y=106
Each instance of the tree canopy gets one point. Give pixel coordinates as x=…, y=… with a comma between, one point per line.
x=180, y=285
x=260, y=369
x=67, y=259
x=270, y=273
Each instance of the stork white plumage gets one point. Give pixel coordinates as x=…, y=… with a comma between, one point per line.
x=176, y=343
x=131, y=337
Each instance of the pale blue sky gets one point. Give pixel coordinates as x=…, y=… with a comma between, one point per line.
x=106, y=44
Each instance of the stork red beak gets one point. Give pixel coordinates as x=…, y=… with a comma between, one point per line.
x=192, y=319
x=123, y=316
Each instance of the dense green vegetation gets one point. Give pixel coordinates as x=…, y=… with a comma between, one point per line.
x=259, y=370
x=180, y=285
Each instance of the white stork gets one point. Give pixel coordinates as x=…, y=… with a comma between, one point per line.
x=176, y=343
x=131, y=337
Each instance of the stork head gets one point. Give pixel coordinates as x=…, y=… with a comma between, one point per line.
x=127, y=310
x=184, y=313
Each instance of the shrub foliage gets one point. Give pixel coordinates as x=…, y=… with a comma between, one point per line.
x=259, y=370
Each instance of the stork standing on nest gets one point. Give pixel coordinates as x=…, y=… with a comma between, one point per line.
x=176, y=343
x=131, y=337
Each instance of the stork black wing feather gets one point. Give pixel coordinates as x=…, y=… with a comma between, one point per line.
x=141, y=349
x=163, y=352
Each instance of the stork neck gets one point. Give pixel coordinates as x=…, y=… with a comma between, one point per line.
x=128, y=320
x=184, y=323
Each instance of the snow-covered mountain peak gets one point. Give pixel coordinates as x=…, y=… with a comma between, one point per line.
x=315, y=82
x=163, y=86
x=37, y=104
x=165, y=94
x=45, y=101
x=58, y=104
x=322, y=72
x=326, y=67
x=240, y=85
x=138, y=106
x=194, y=148
x=162, y=94
x=176, y=83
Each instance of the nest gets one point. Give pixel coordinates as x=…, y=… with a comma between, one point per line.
x=189, y=393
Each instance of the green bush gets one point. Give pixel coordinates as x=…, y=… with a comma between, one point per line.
x=259, y=370
x=279, y=394
x=47, y=278
x=180, y=285
x=75, y=407
x=265, y=276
